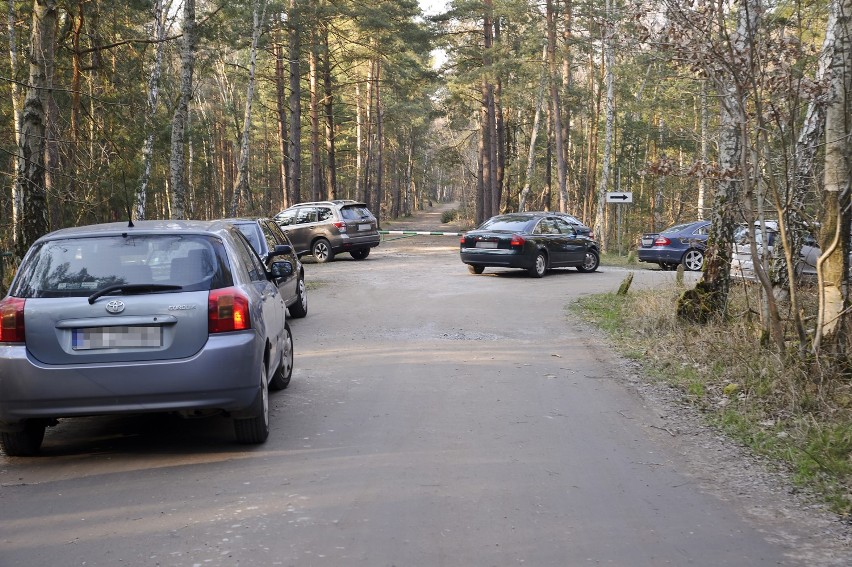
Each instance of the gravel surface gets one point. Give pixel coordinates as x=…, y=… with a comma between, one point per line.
x=718, y=463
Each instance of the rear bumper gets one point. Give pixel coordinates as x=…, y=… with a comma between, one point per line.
x=355, y=241
x=659, y=255
x=222, y=376
x=496, y=258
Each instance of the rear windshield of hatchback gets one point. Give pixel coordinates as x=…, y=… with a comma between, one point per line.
x=78, y=267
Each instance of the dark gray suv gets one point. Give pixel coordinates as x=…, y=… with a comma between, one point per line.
x=326, y=228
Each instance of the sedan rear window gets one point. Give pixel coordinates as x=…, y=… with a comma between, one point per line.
x=78, y=267
x=508, y=224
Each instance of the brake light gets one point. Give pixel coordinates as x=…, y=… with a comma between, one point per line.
x=227, y=310
x=517, y=240
x=662, y=241
x=12, y=320
x=592, y=234
x=341, y=226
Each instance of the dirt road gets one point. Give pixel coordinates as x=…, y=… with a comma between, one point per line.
x=434, y=418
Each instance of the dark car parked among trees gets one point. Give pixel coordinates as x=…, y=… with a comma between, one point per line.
x=536, y=242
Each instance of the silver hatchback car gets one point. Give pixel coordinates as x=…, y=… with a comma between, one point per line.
x=163, y=316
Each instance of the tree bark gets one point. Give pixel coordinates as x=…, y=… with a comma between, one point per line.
x=177, y=165
x=556, y=110
x=151, y=110
x=609, y=61
x=32, y=149
x=295, y=144
x=832, y=265
x=15, y=92
x=313, y=111
x=242, y=185
x=522, y=201
x=281, y=110
x=328, y=100
x=709, y=298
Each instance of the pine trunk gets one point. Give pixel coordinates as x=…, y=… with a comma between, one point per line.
x=295, y=143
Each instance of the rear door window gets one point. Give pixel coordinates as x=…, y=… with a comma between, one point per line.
x=306, y=215
x=286, y=218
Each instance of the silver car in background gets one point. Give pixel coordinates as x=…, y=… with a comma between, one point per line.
x=163, y=316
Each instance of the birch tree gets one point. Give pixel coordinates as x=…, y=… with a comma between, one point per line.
x=609, y=61
x=177, y=164
x=30, y=181
x=16, y=108
x=151, y=108
x=832, y=265
x=242, y=185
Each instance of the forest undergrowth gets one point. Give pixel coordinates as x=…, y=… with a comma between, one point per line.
x=780, y=405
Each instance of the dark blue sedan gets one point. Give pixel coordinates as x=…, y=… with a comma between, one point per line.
x=679, y=244
x=535, y=242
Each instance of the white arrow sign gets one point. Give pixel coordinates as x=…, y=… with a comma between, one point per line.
x=619, y=197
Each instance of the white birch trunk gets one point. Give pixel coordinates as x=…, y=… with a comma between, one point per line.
x=177, y=163
x=834, y=233
x=522, y=199
x=609, y=60
x=151, y=110
x=16, y=111
x=242, y=185
x=31, y=180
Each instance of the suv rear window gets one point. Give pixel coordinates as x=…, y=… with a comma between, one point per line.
x=355, y=212
x=80, y=266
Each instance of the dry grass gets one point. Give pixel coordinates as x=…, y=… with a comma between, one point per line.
x=785, y=407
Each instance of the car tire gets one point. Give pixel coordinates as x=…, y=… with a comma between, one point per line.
x=281, y=378
x=321, y=251
x=540, y=267
x=255, y=430
x=475, y=269
x=24, y=443
x=693, y=260
x=300, y=307
x=590, y=262
x=360, y=254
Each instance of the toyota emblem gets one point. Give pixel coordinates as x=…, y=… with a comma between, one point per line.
x=115, y=306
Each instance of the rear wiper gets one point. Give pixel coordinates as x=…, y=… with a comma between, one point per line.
x=132, y=288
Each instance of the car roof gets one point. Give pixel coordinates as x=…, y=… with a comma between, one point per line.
x=140, y=227
x=340, y=202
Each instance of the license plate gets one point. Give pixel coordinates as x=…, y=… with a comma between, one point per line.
x=486, y=245
x=647, y=241
x=365, y=226
x=94, y=338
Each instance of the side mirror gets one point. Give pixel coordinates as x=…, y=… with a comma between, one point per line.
x=279, y=250
x=281, y=269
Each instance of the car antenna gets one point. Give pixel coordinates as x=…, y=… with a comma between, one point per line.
x=127, y=202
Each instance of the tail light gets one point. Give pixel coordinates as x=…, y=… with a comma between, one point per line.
x=592, y=234
x=517, y=240
x=227, y=310
x=341, y=226
x=662, y=241
x=12, y=320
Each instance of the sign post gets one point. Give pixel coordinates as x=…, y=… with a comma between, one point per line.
x=619, y=197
